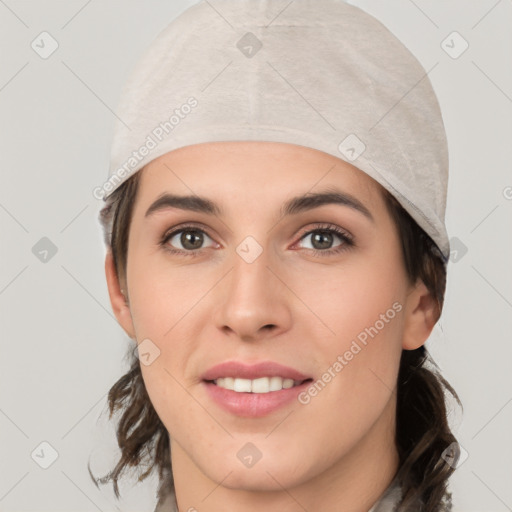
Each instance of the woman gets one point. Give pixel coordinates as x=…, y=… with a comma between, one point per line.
x=277, y=251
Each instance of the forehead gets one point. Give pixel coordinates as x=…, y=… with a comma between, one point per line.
x=253, y=169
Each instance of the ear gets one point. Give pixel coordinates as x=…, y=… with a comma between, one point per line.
x=117, y=298
x=421, y=315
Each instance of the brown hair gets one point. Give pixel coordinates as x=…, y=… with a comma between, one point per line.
x=422, y=429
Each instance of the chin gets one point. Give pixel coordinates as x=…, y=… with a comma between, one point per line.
x=268, y=474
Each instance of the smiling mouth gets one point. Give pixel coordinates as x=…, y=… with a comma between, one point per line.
x=257, y=386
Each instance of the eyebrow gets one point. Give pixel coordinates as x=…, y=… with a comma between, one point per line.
x=293, y=206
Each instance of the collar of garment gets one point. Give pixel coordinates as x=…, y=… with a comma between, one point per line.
x=387, y=502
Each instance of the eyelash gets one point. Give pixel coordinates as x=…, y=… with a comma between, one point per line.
x=347, y=240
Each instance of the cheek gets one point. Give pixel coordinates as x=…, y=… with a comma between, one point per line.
x=351, y=298
x=164, y=302
x=162, y=295
x=358, y=327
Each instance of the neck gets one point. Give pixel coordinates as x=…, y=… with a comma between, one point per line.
x=353, y=484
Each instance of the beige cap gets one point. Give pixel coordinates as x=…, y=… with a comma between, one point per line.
x=317, y=73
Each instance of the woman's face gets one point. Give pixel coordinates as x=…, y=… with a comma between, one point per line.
x=249, y=273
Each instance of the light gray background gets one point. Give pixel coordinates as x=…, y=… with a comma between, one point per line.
x=61, y=347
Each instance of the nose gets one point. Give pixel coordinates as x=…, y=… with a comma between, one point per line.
x=253, y=300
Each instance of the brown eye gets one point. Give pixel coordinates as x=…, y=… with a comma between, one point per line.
x=189, y=239
x=323, y=239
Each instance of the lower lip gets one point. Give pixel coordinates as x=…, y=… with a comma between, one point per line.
x=253, y=405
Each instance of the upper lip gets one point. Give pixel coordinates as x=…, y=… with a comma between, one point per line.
x=240, y=370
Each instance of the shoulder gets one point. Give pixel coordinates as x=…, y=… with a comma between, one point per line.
x=391, y=498
x=389, y=501
x=166, y=495
x=167, y=503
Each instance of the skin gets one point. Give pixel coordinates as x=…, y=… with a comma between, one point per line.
x=335, y=453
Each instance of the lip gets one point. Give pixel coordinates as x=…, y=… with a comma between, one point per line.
x=253, y=405
x=241, y=370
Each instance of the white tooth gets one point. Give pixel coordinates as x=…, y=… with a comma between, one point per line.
x=229, y=383
x=242, y=385
x=276, y=383
x=287, y=383
x=261, y=385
